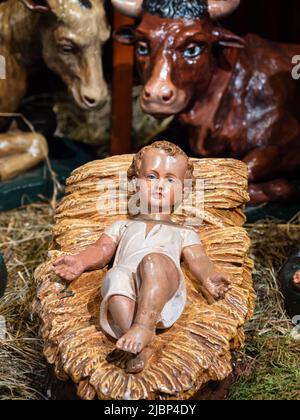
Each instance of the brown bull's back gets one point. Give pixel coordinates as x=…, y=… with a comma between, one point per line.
x=261, y=93
x=273, y=55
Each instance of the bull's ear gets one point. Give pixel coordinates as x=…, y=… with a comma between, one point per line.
x=40, y=6
x=226, y=38
x=125, y=35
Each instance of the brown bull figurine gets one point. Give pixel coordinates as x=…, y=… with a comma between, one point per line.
x=236, y=95
x=68, y=36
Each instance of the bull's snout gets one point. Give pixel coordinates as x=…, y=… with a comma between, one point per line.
x=164, y=94
x=160, y=97
x=163, y=99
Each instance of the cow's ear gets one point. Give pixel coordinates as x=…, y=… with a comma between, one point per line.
x=226, y=38
x=125, y=35
x=40, y=6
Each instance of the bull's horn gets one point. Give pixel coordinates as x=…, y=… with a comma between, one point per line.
x=221, y=8
x=131, y=8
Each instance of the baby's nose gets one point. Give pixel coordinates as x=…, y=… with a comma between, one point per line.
x=161, y=184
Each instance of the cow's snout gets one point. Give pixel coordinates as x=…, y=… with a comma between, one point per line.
x=93, y=96
x=90, y=102
x=164, y=94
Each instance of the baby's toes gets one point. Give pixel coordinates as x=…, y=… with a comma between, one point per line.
x=218, y=293
x=226, y=285
x=221, y=291
x=137, y=347
x=135, y=365
x=125, y=344
x=138, y=364
x=224, y=288
x=120, y=343
x=129, y=345
x=215, y=292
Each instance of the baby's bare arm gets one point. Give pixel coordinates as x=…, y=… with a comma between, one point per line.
x=95, y=257
x=204, y=270
x=98, y=255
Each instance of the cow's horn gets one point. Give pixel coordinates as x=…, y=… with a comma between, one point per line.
x=131, y=8
x=221, y=8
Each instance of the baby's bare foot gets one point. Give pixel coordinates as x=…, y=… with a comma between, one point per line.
x=296, y=280
x=136, y=339
x=139, y=362
x=217, y=285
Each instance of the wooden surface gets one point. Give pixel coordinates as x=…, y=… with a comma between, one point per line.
x=123, y=62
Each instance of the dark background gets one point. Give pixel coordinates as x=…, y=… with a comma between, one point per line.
x=278, y=20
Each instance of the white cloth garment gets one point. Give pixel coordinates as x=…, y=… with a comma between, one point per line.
x=133, y=245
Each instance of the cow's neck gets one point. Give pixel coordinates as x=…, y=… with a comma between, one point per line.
x=201, y=118
x=19, y=32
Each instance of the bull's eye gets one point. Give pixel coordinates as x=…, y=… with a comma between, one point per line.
x=142, y=49
x=192, y=51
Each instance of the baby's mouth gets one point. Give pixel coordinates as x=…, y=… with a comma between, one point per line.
x=158, y=195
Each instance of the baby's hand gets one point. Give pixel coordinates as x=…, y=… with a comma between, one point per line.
x=68, y=268
x=296, y=279
x=217, y=284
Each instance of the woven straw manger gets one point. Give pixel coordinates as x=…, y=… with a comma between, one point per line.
x=197, y=349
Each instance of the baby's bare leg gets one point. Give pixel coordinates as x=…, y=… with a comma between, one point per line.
x=160, y=280
x=122, y=310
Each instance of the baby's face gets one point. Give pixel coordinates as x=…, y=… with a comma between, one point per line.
x=161, y=180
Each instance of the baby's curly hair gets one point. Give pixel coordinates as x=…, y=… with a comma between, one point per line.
x=170, y=148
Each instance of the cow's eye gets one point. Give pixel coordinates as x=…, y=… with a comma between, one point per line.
x=68, y=48
x=192, y=51
x=142, y=49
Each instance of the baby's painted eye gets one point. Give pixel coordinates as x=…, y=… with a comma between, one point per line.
x=171, y=180
x=142, y=49
x=193, y=51
x=151, y=177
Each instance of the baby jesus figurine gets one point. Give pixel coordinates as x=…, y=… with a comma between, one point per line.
x=145, y=289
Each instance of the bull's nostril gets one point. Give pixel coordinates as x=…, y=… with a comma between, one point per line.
x=147, y=94
x=168, y=96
